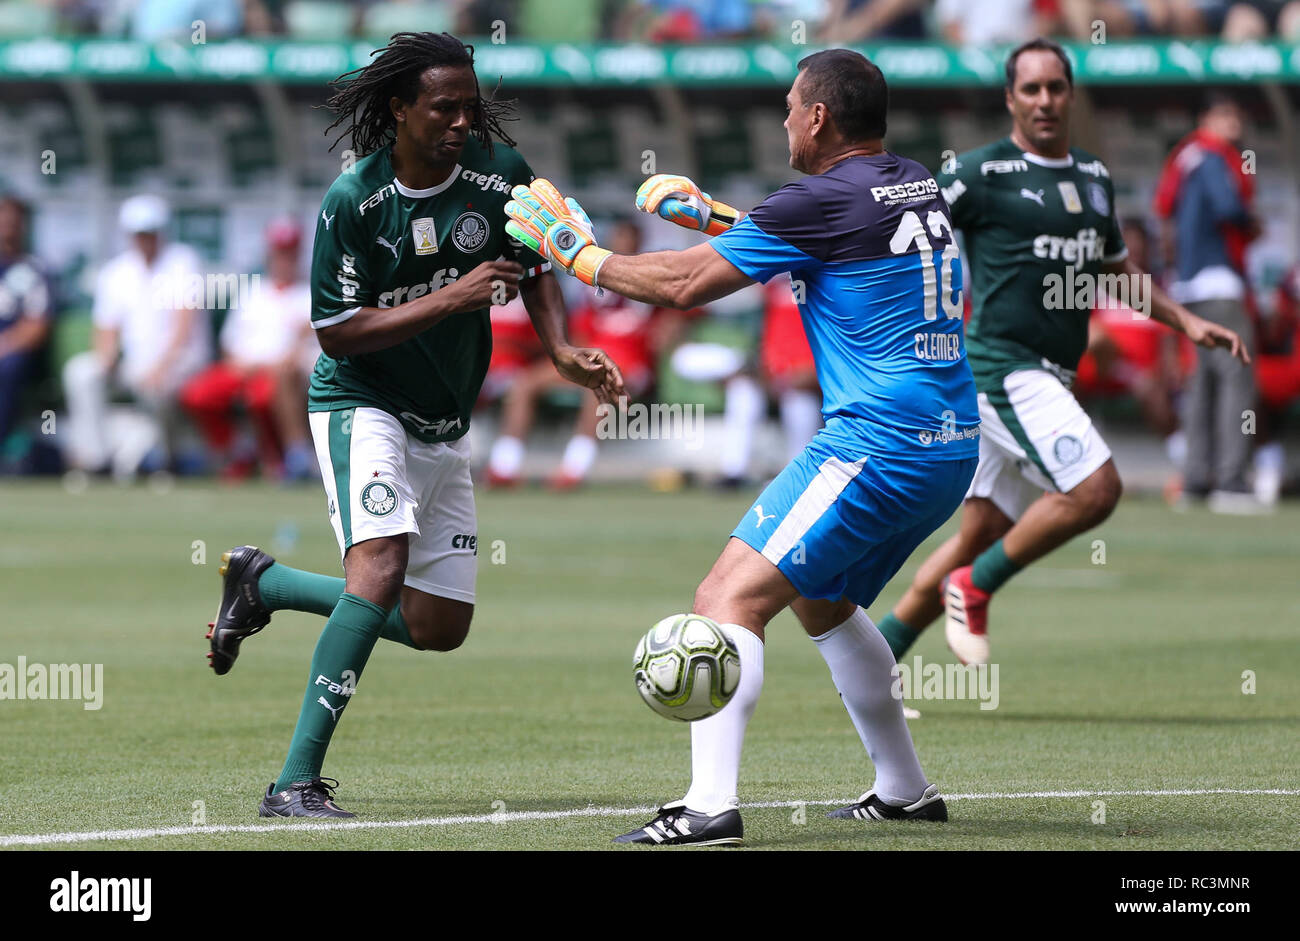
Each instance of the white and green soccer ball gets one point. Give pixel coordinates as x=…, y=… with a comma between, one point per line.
x=685, y=668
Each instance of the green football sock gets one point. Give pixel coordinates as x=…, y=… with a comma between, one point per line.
x=899, y=635
x=992, y=568
x=283, y=588
x=288, y=589
x=341, y=654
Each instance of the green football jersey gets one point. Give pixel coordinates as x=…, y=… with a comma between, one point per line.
x=1025, y=220
x=381, y=244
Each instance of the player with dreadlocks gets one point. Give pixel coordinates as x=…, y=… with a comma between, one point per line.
x=410, y=251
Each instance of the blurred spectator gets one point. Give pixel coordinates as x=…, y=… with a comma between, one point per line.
x=753, y=344
x=515, y=347
x=981, y=24
x=786, y=373
x=476, y=17
x=152, y=20
x=146, y=343
x=268, y=352
x=632, y=332
x=1144, y=17
x=264, y=17
x=684, y=21
x=850, y=21
x=1206, y=194
x=1129, y=353
x=1260, y=19
x=1277, y=370
x=26, y=310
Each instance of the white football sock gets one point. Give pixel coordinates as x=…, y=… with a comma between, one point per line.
x=861, y=666
x=801, y=416
x=1270, y=468
x=716, y=741
x=579, y=455
x=507, y=456
x=741, y=415
x=1176, y=448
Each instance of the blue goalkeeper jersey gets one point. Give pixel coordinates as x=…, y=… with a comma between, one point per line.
x=869, y=246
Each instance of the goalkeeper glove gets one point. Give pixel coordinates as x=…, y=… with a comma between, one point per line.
x=680, y=201
x=556, y=228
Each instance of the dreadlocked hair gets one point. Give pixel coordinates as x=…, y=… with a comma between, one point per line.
x=362, y=95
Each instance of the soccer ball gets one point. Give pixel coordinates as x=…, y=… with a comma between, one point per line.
x=686, y=668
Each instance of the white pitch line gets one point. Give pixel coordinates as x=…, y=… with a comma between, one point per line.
x=148, y=833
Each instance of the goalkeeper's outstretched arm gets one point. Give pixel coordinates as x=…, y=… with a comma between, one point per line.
x=682, y=280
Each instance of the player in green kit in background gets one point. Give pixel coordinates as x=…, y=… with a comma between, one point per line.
x=1038, y=218
x=410, y=253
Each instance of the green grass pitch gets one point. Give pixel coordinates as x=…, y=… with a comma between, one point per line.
x=1124, y=676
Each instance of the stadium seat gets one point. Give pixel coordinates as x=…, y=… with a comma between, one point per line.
x=134, y=149
x=191, y=144
x=20, y=19
x=318, y=19
x=560, y=20
x=249, y=149
x=639, y=131
x=387, y=18
x=539, y=145
x=722, y=145
x=591, y=147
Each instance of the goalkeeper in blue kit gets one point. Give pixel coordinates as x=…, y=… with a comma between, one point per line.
x=868, y=236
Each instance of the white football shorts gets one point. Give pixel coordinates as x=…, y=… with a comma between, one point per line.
x=380, y=481
x=1034, y=437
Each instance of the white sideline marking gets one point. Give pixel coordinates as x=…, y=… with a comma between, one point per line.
x=143, y=833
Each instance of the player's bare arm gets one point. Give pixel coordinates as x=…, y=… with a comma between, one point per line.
x=583, y=366
x=1166, y=310
x=679, y=279
x=377, y=328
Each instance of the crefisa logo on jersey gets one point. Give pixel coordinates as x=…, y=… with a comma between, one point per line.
x=470, y=231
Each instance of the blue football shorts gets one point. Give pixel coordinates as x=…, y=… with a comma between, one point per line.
x=840, y=524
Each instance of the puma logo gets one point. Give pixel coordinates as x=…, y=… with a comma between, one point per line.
x=1036, y=197
x=327, y=219
x=380, y=240
x=334, y=712
x=762, y=518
